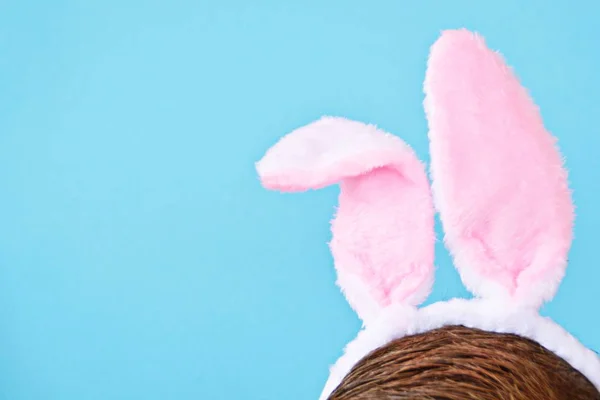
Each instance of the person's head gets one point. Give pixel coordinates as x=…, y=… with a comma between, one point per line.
x=458, y=363
x=501, y=190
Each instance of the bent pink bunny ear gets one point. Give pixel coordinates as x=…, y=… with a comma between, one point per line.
x=498, y=178
x=383, y=237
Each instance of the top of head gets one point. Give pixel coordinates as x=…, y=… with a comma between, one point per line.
x=498, y=183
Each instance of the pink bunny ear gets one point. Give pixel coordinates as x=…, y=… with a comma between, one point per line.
x=498, y=178
x=383, y=237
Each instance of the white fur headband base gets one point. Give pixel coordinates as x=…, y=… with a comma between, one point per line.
x=399, y=321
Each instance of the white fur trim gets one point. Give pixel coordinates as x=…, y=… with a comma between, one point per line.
x=492, y=316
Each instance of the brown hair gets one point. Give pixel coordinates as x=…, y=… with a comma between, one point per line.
x=458, y=363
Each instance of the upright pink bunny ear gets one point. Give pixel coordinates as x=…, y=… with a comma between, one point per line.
x=499, y=181
x=383, y=235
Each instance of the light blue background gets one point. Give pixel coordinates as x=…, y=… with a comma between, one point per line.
x=140, y=258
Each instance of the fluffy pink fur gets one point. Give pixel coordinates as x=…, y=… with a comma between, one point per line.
x=383, y=237
x=499, y=181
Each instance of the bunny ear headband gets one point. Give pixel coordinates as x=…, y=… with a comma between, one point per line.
x=498, y=184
